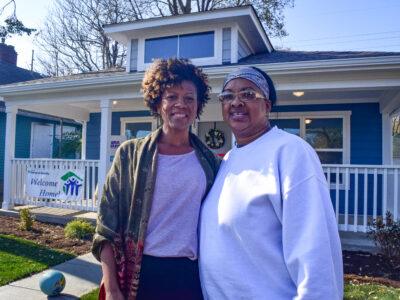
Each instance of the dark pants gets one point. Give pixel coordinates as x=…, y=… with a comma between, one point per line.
x=169, y=278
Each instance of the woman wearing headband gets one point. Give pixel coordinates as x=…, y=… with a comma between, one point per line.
x=267, y=229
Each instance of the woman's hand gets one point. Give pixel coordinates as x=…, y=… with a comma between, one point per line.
x=110, y=281
x=114, y=295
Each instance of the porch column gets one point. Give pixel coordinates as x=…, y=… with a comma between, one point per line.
x=387, y=147
x=105, y=138
x=9, y=154
x=83, y=147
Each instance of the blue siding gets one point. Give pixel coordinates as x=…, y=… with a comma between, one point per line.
x=93, y=130
x=365, y=128
x=243, y=48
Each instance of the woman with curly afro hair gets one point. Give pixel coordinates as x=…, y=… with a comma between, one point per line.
x=147, y=229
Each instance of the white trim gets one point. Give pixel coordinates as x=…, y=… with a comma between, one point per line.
x=9, y=154
x=125, y=120
x=128, y=56
x=234, y=44
x=301, y=116
x=105, y=137
x=124, y=78
x=84, y=139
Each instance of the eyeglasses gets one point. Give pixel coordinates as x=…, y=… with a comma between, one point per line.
x=174, y=98
x=244, y=96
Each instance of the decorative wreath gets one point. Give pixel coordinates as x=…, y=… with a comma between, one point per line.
x=215, y=138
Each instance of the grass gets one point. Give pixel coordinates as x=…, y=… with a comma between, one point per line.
x=364, y=291
x=91, y=296
x=20, y=258
x=367, y=291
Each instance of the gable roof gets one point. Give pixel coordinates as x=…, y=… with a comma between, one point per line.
x=10, y=73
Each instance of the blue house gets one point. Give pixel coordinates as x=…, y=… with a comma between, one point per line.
x=345, y=104
x=36, y=133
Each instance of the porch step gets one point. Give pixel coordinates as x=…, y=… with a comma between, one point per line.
x=52, y=214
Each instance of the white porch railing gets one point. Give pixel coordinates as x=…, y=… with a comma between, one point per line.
x=361, y=193
x=19, y=173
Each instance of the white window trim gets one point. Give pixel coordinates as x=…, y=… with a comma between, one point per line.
x=127, y=120
x=212, y=60
x=345, y=115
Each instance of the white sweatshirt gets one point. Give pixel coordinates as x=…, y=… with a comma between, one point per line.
x=268, y=229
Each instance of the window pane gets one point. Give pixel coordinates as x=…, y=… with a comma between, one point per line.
x=289, y=125
x=325, y=133
x=137, y=130
x=164, y=47
x=196, y=45
x=330, y=157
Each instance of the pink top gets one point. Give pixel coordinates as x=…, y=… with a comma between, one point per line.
x=180, y=186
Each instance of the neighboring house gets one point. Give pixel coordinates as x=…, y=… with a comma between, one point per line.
x=342, y=103
x=36, y=133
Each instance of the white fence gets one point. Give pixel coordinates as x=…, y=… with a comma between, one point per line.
x=361, y=193
x=18, y=188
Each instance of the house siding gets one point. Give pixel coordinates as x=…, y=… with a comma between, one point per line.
x=243, y=48
x=93, y=130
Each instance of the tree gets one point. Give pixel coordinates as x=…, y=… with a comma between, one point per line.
x=12, y=24
x=73, y=39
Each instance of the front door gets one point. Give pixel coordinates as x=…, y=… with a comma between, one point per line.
x=41, y=140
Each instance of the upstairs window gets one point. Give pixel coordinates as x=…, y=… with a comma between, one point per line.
x=197, y=45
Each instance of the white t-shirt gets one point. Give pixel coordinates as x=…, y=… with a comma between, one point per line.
x=268, y=229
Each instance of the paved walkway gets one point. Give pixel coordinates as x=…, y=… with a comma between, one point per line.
x=82, y=275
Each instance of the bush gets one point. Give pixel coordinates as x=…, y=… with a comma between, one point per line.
x=26, y=219
x=386, y=236
x=79, y=229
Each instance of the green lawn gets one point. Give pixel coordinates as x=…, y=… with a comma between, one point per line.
x=20, y=258
x=366, y=291
x=91, y=296
x=351, y=291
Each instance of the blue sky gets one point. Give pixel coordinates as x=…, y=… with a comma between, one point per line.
x=323, y=25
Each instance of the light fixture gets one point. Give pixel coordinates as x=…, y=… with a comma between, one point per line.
x=115, y=102
x=298, y=93
x=307, y=121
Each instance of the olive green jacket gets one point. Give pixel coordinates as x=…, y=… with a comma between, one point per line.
x=126, y=203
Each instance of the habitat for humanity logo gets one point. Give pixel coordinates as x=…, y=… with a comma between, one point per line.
x=72, y=183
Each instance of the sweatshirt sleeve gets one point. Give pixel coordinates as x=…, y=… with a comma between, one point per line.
x=108, y=212
x=310, y=238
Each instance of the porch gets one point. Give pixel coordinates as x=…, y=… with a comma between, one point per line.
x=362, y=100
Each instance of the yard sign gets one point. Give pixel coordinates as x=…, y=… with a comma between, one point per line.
x=55, y=184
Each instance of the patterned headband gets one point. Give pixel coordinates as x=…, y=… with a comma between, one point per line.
x=252, y=75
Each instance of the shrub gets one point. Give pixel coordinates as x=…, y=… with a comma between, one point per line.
x=386, y=236
x=26, y=219
x=79, y=229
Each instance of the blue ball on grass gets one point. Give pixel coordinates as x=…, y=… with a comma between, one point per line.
x=52, y=283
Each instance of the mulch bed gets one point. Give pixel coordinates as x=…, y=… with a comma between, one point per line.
x=50, y=235
x=362, y=267
x=365, y=267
